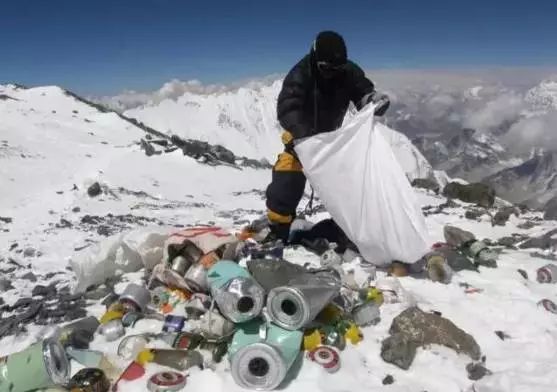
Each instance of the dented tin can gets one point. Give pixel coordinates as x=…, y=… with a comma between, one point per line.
x=180, y=264
x=112, y=330
x=166, y=382
x=41, y=365
x=135, y=297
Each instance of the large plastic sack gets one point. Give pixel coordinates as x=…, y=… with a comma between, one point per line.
x=118, y=254
x=364, y=188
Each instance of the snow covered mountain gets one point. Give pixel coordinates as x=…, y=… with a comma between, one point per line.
x=544, y=96
x=466, y=154
x=244, y=121
x=54, y=146
x=533, y=182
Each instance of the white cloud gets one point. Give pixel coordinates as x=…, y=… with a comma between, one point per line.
x=533, y=132
x=491, y=114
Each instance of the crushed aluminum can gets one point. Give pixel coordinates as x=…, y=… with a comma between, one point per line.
x=177, y=359
x=331, y=337
x=132, y=345
x=173, y=323
x=197, y=305
x=180, y=264
x=327, y=357
x=213, y=325
x=366, y=314
x=135, y=296
x=548, y=305
x=166, y=382
x=112, y=330
x=89, y=380
x=196, y=278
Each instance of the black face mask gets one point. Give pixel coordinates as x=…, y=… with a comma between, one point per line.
x=330, y=71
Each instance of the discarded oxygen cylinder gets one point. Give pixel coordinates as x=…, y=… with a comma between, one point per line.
x=177, y=359
x=547, y=274
x=41, y=365
x=482, y=254
x=239, y=297
x=294, y=306
x=135, y=298
x=261, y=355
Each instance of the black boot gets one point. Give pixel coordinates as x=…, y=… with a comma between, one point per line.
x=279, y=231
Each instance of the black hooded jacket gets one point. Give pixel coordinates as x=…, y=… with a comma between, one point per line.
x=309, y=104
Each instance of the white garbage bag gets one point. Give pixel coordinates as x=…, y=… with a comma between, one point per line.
x=364, y=188
x=118, y=254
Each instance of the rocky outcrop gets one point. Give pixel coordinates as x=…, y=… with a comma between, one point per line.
x=478, y=193
x=414, y=328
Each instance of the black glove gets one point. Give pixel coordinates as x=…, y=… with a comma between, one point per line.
x=381, y=101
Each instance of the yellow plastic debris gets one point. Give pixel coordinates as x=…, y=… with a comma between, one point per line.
x=111, y=315
x=375, y=295
x=353, y=334
x=145, y=357
x=312, y=340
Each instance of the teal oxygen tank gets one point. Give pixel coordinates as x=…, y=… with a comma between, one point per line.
x=261, y=354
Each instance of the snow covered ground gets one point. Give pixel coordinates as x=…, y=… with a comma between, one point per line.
x=43, y=154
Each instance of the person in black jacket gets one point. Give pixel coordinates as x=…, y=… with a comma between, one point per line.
x=314, y=98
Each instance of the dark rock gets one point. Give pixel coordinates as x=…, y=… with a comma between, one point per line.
x=148, y=148
x=474, y=214
x=550, y=209
x=6, y=219
x=399, y=351
x=523, y=273
x=388, y=380
x=76, y=209
x=550, y=256
x=74, y=314
x=477, y=371
x=14, y=245
x=104, y=230
x=457, y=237
x=414, y=328
x=502, y=335
x=456, y=260
x=94, y=190
x=502, y=216
x=5, y=285
x=29, y=252
x=527, y=225
x=29, y=276
x=477, y=193
x=543, y=242
x=97, y=293
x=64, y=223
x=44, y=291
x=426, y=183
x=449, y=203
x=223, y=154
x=508, y=241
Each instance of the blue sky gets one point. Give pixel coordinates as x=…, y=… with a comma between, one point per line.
x=105, y=46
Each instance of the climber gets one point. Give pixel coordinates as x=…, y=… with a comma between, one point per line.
x=314, y=99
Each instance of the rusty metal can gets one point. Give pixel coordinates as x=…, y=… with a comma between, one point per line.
x=166, y=382
x=89, y=380
x=327, y=357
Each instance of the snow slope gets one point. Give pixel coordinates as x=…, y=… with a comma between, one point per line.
x=244, y=121
x=44, y=154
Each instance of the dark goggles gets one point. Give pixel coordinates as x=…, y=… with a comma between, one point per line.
x=327, y=67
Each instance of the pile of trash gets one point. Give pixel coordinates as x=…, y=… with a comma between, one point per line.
x=220, y=297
